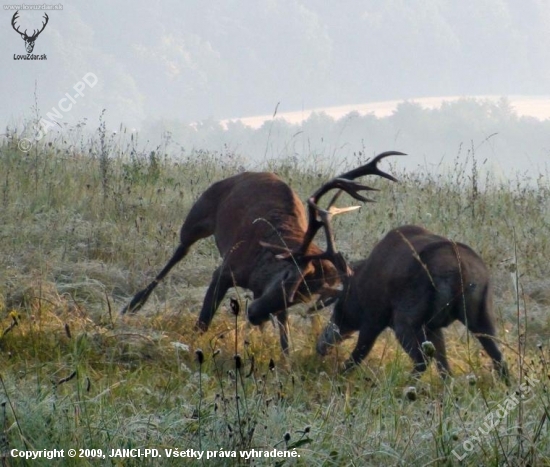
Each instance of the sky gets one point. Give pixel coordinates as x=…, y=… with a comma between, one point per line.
x=145, y=62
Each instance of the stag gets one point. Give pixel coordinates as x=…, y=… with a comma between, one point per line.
x=250, y=215
x=416, y=283
x=29, y=40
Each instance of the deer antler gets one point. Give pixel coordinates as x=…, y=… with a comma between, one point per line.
x=14, y=18
x=344, y=183
x=35, y=35
x=371, y=168
x=331, y=254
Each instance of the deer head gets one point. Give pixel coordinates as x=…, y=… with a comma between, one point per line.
x=29, y=40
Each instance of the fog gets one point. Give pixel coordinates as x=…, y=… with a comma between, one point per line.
x=184, y=66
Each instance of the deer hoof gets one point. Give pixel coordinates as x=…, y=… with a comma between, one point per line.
x=201, y=327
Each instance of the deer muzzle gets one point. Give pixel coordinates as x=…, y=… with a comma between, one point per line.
x=329, y=338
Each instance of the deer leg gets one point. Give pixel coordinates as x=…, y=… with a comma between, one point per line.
x=197, y=225
x=273, y=300
x=410, y=340
x=141, y=297
x=436, y=337
x=219, y=285
x=272, y=303
x=365, y=341
x=485, y=333
x=284, y=330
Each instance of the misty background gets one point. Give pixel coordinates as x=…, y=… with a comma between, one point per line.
x=172, y=71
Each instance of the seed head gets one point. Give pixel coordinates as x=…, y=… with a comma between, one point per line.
x=428, y=348
x=238, y=361
x=200, y=356
x=410, y=393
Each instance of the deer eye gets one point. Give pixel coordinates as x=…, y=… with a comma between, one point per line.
x=288, y=274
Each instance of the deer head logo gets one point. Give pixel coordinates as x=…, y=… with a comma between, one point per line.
x=29, y=40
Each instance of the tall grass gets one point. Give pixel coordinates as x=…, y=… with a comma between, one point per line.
x=86, y=221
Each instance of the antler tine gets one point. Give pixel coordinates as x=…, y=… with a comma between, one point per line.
x=14, y=19
x=37, y=32
x=349, y=186
x=45, y=22
x=331, y=253
x=371, y=168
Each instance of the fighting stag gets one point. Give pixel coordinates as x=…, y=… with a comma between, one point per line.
x=251, y=215
x=29, y=40
x=416, y=283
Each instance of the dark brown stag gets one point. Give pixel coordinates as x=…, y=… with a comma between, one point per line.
x=416, y=283
x=251, y=214
x=29, y=40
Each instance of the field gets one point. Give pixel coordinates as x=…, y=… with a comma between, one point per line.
x=84, y=224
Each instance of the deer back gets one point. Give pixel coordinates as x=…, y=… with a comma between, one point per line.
x=410, y=264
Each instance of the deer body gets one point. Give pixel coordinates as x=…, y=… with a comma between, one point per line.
x=416, y=283
x=241, y=211
x=252, y=216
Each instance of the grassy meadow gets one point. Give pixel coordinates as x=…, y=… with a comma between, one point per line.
x=86, y=223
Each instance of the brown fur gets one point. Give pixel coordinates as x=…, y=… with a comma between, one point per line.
x=241, y=211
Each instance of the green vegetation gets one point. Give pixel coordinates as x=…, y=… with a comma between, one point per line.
x=84, y=225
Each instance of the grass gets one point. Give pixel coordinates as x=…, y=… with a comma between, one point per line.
x=85, y=223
